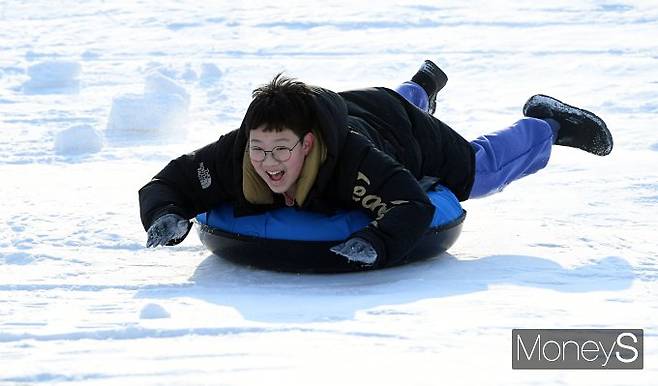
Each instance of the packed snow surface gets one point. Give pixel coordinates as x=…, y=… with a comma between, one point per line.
x=96, y=97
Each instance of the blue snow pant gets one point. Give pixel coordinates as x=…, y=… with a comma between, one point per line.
x=415, y=94
x=503, y=156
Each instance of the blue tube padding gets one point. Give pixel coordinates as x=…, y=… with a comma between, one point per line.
x=293, y=224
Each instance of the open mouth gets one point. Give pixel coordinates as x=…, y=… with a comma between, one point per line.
x=276, y=176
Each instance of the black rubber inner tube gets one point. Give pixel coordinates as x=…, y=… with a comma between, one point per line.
x=313, y=256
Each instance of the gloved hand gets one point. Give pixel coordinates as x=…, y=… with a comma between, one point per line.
x=357, y=250
x=166, y=228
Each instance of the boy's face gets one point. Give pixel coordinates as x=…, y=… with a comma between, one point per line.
x=280, y=176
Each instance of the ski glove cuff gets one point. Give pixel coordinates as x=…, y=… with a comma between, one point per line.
x=356, y=250
x=165, y=229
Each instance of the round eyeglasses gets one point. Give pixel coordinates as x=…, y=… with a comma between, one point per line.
x=279, y=153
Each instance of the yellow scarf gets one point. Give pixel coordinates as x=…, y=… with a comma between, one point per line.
x=256, y=190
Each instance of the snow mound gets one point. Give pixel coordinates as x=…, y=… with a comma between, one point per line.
x=53, y=77
x=79, y=139
x=157, y=84
x=168, y=70
x=90, y=55
x=161, y=110
x=184, y=72
x=153, y=311
x=210, y=74
x=189, y=74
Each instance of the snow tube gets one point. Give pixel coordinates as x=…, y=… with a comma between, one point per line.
x=291, y=240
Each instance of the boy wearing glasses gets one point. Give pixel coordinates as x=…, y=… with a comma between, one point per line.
x=317, y=150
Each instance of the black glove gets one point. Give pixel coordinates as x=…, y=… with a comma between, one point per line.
x=166, y=228
x=356, y=250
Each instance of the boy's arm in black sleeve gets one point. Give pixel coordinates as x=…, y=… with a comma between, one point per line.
x=400, y=209
x=190, y=184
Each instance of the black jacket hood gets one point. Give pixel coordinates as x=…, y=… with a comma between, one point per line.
x=331, y=112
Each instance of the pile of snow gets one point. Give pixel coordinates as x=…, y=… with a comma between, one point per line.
x=90, y=55
x=162, y=109
x=153, y=311
x=79, y=139
x=207, y=75
x=210, y=74
x=187, y=73
x=53, y=77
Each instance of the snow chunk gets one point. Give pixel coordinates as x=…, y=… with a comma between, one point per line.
x=53, y=77
x=210, y=74
x=168, y=71
x=189, y=74
x=162, y=109
x=90, y=55
x=158, y=84
x=79, y=139
x=153, y=311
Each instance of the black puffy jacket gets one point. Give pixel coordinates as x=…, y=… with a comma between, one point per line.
x=378, y=146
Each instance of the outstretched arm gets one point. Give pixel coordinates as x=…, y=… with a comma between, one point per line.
x=189, y=185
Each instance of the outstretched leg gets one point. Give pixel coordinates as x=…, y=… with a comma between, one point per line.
x=525, y=147
x=509, y=154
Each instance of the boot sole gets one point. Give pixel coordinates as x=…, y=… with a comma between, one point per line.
x=602, y=141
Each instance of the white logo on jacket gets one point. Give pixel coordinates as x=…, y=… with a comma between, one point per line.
x=204, y=176
x=371, y=201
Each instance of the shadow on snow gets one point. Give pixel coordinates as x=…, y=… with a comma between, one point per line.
x=287, y=297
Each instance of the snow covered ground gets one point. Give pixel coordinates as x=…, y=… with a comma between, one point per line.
x=95, y=98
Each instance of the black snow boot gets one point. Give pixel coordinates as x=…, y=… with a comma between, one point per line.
x=579, y=128
x=432, y=79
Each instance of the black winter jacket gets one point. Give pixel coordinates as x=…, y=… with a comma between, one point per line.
x=378, y=147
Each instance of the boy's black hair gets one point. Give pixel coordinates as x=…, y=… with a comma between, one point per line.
x=284, y=103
